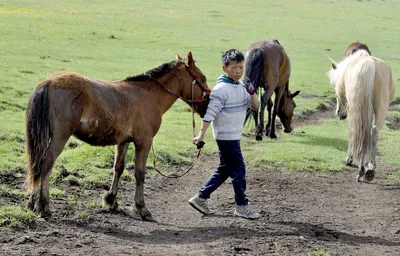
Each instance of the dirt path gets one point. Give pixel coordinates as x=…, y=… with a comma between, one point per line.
x=301, y=212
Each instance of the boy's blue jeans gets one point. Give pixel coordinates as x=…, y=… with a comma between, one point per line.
x=231, y=165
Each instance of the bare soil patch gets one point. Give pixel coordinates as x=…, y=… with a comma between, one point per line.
x=301, y=212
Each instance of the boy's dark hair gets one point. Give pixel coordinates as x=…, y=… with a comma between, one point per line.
x=231, y=55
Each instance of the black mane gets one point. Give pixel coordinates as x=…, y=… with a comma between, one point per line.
x=154, y=73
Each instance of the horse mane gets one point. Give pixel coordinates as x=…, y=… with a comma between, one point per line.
x=335, y=75
x=154, y=73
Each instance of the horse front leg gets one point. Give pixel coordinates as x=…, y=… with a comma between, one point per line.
x=278, y=95
x=110, y=198
x=141, y=154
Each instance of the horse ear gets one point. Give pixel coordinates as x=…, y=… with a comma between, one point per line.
x=190, y=60
x=178, y=57
x=295, y=94
x=333, y=66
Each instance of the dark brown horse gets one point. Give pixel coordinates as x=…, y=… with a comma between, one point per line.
x=105, y=113
x=353, y=47
x=268, y=67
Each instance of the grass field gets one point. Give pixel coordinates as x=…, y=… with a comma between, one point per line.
x=113, y=40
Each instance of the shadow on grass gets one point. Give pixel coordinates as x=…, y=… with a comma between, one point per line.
x=339, y=144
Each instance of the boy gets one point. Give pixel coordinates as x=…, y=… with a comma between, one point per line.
x=229, y=101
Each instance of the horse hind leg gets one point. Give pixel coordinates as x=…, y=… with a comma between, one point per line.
x=350, y=160
x=371, y=166
x=361, y=173
x=260, y=126
x=39, y=199
x=119, y=165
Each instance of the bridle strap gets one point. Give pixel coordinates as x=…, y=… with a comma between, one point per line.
x=195, y=81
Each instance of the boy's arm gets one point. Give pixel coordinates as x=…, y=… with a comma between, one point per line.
x=202, y=133
x=254, y=102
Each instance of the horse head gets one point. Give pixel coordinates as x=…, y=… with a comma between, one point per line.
x=353, y=47
x=286, y=110
x=195, y=91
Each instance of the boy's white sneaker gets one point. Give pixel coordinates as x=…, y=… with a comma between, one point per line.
x=200, y=204
x=245, y=212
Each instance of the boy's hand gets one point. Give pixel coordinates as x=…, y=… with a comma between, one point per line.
x=198, y=141
x=249, y=86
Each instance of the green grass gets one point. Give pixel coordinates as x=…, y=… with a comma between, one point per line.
x=11, y=191
x=15, y=216
x=316, y=252
x=42, y=37
x=55, y=192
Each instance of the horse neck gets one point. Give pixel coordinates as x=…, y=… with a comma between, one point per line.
x=164, y=98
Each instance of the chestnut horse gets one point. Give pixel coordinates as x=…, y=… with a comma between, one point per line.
x=353, y=47
x=268, y=67
x=105, y=113
x=364, y=89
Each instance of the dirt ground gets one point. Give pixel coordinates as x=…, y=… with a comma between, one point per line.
x=301, y=212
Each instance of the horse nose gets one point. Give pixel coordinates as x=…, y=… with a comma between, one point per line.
x=288, y=130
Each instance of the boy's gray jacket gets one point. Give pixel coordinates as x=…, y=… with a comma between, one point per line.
x=227, y=110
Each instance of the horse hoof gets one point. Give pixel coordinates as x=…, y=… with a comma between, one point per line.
x=148, y=218
x=31, y=205
x=258, y=138
x=45, y=215
x=369, y=175
x=109, y=201
x=144, y=214
x=349, y=162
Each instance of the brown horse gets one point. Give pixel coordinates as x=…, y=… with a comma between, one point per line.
x=105, y=113
x=268, y=67
x=353, y=47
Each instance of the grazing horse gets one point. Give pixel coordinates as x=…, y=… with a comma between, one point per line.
x=364, y=89
x=353, y=47
x=268, y=68
x=105, y=113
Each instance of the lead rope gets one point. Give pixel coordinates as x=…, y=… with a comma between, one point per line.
x=194, y=135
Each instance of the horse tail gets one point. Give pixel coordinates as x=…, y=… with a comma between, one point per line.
x=360, y=110
x=255, y=67
x=255, y=72
x=38, y=133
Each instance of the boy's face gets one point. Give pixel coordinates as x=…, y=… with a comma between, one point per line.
x=234, y=70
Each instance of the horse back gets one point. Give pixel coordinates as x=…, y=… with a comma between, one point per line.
x=276, y=62
x=97, y=112
x=384, y=80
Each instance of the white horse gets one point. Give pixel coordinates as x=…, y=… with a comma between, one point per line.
x=364, y=89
